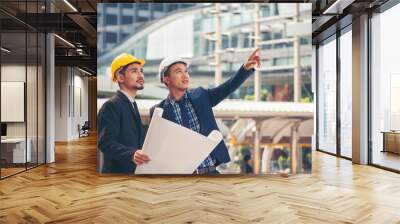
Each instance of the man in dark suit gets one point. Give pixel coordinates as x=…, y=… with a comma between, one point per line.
x=193, y=109
x=120, y=130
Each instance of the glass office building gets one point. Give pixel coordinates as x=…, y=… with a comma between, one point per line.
x=192, y=32
x=118, y=21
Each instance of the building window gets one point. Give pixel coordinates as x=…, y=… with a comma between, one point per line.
x=327, y=96
x=234, y=40
x=346, y=94
x=127, y=19
x=158, y=7
x=246, y=40
x=385, y=88
x=305, y=40
x=225, y=41
x=126, y=5
x=111, y=19
x=125, y=35
x=110, y=5
x=265, y=11
x=283, y=61
x=265, y=36
x=172, y=6
x=142, y=19
x=111, y=37
x=142, y=6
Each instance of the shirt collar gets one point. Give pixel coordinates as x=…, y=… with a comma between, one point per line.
x=131, y=99
x=172, y=100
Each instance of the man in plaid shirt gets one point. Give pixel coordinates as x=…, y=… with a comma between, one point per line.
x=193, y=109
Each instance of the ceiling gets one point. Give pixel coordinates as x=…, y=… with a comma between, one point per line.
x=74, y=22
x=330, y=15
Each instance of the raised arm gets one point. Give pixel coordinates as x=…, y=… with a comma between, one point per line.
x=222, y=91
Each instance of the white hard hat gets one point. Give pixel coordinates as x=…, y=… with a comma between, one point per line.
x=168, y=61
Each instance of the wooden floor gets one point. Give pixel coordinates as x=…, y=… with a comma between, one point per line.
x=70, y=191
x=5, y=172
x=386, y=159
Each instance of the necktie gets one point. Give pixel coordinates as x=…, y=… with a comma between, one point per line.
x=137, y=115
x=136, y=111
x=184, y=113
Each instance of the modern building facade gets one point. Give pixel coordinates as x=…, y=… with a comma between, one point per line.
x=227, y=34
x=118, y=21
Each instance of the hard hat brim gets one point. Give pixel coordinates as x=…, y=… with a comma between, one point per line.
x=140, y=61
x=161, y=72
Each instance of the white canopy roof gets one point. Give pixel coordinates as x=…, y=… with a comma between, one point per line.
x=277, y=117
x=243, y=109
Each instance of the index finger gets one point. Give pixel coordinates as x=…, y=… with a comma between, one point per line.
x=254, y=53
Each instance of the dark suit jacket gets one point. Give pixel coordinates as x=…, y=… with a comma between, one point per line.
x=120, y=134
x=203, y=100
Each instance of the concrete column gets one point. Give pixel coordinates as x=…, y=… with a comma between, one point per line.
x=314, y=90
x=257, y=37
x=360, y=90
x=50, y=91
x=294, y=153
x=50, y=99
x=218, y=71
x=296, y=61
x=257, y=149
x=266, y=159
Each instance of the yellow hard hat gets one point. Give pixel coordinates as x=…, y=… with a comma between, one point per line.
x=123, y=60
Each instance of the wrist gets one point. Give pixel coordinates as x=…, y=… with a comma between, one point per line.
x=248, y=69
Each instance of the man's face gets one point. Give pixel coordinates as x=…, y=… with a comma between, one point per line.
x=177, y=77
x=133, y=77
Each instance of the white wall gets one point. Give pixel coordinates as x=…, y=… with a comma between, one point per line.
x=14, y=73
x=62, y=82
x=33, y=126
x=71, y=94
x=80, y=100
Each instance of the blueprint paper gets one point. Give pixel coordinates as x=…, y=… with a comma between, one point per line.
x=174, y=149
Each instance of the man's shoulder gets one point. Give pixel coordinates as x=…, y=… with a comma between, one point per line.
x=197, y=92
x=111, y=103
x=160, y=104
